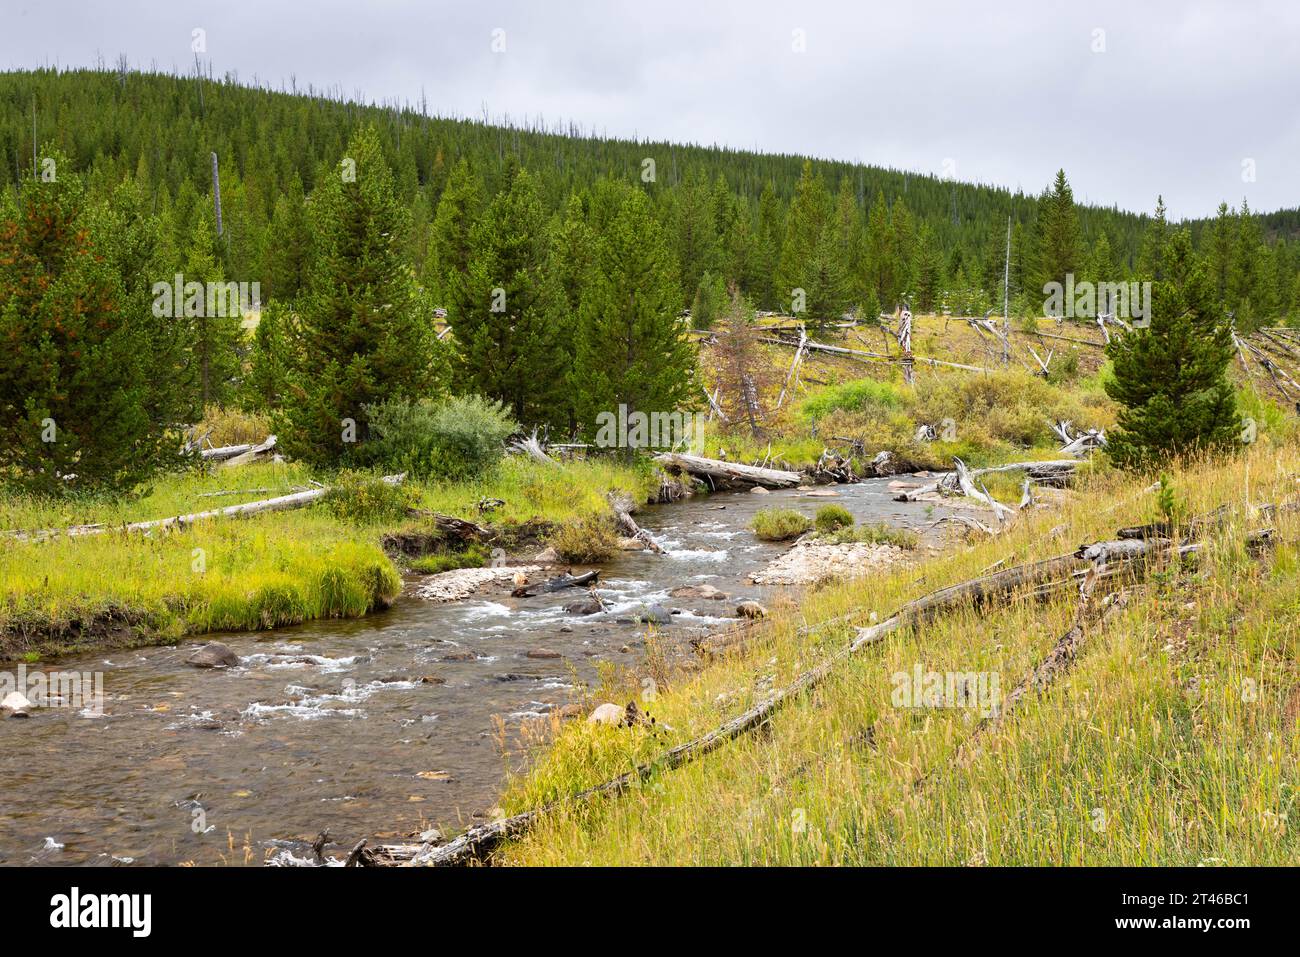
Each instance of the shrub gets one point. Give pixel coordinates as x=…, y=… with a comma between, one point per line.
x=363, y=499
x=779, y=524
x=860, y=395
x=831, y=518
x=452, y=439
x=585, y=539
x=475, y=556
x=875, y=534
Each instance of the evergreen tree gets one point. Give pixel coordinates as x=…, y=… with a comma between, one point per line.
x=214, y=316
x=1172, y=377
x=696, y=234
x=1250, y=279
x=85, y=402
x=631, y=348
x=508, y=312
x=449, y=244
x=360, y=334
x=808, y=217
x=768, y=250
x=828, y=288
x=929, y=272
x=710, y=300
x=1222, y=234
x=1151, y=259
x=1058, y=239
x=290, y=251
x=880, y=261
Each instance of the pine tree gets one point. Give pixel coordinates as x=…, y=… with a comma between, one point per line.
x=1151, y=258
x=449, y=244
x=710, y=300
x=1250, y=280
x=809, y=216
x=768, y=250
x=929, y=272
x=360, y=333
x=1222, y=233
x=631, y=348
x=696, y=235
x=88, y=395
x=1172, y=377
x=289, y=252
x=828, y=288
x=508, y=313
x=1058, y=239
x=880, y=261
x=214, y=316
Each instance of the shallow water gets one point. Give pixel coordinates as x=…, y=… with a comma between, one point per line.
x=329, y=726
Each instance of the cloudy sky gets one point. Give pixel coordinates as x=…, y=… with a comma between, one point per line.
x=1197, y=101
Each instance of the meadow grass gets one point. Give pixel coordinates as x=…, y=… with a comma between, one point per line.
x=261, y=571
x=1173, y=740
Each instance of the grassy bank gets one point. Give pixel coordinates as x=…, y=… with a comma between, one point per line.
x=1174, y=739
x=115, y=588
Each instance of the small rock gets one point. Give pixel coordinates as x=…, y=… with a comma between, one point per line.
x=631, y=544
x=213, y=655
x=432, y=680
x=823, y=493
x=569, y=711
x=547, y=556
x=459, y=656
x=751, y=609
x=698, y=591
x=656, y=615
x=759, y=490
x=584, y=606
x=542, y=653
x=625, y=649
x=567, y=629
x=608, y=714
x=431, y=836
x=16, y=705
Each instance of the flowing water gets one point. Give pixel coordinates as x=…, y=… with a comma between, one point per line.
x=335, y=725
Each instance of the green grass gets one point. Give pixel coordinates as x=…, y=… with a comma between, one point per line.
x=871, y=534
x=1173, y=740
x=779, y=524
x=247, y=573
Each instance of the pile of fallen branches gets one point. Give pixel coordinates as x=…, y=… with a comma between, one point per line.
x=1118, y=560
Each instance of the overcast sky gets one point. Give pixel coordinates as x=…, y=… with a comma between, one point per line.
x=1133, y=98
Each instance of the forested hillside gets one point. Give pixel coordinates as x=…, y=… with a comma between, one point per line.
x=729, y=216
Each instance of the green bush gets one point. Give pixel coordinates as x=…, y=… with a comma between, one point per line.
x=452, y=439
x=831, y=518
x=877, y=534
x=585, y=539
x=778, y=524
x=860, y=395
x=475, y=556
x=364, y=499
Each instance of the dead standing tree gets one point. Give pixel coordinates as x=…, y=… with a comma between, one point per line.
x=743, y=373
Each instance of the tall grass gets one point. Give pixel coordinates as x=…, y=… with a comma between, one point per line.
x=1174, y=739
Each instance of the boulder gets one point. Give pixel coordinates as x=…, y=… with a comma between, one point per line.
x=16, y=705
x=631, y=544
x=584, y=606
x=751, y=609
x=656, y=615
x=759, y=490
x=213, y=655
x=547, y=556
x=542, y=653
x=608, y=714
x=698, y=591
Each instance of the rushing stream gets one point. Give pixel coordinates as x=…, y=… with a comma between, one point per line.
x=332, y=725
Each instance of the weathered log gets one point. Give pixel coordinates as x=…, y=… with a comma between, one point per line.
x=728, y=473
x=1049, y=472
x=863, y=355
x=251, y=454
x=280, y=504
x=622, y=508
x=558, y=583
x=450, y=525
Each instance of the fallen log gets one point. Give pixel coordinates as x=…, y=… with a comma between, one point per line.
x=559, y=583
x=863, y=355
x=623, y=520
x=1049, y=472
x=728, y=473
x=280, y=504
x=251, y=454
x=450, y=525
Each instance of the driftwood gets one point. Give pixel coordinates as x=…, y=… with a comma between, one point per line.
x=451, y=526
x=1050, y=472
x=863, y=355
x=622, y=508
x=728, y=473
x=280, y=504
x=252, y=454
x=558, y=583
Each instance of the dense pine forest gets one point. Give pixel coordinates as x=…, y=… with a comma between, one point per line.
x=729, y=216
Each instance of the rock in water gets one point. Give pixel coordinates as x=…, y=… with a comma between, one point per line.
x=698, y=591
x=584, y=606
x=759, y=490
x=16, y=705
x=608, y=714
x=751, y=609
x=213, y=655
x=656, y=615
x=542, y=653
x=631, y=544
x=548, y=556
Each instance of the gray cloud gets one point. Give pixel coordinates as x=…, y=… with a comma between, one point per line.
x=1182, y=94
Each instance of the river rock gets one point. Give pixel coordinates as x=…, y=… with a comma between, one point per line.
x=584, y=606
x=759, y=490
x=698, y=591
x=751, y=609
x=656, y=615
x=607, y=713
x=16, y=705
x=213, y=655
x=631, y=544
x=542, y=653
x=547, y=556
